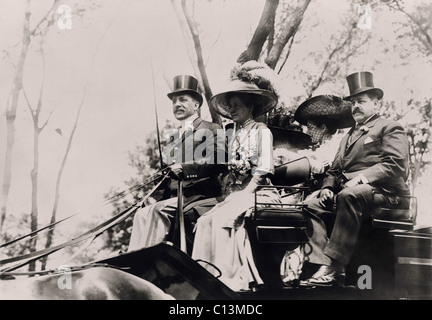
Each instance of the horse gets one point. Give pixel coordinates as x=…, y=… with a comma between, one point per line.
x=95, y=283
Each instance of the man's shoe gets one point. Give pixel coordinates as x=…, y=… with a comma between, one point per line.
x=326, y=276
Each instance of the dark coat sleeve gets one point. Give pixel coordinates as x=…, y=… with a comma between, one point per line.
x=332, y=179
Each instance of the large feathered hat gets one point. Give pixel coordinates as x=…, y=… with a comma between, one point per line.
x=253, y=78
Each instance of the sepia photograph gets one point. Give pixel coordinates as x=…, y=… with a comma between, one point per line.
x=215, y=150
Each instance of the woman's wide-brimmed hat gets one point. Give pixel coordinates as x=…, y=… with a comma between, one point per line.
x=186, y=84
x=264, y=100
x=333, y=111
x=252, y=78
x=362, y=82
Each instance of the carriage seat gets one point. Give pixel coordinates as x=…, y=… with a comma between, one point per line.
x=279, y=226
x=282, y=223
x=376, y=242
x=397, y=212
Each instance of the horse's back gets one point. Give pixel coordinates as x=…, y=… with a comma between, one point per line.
x=97, y=283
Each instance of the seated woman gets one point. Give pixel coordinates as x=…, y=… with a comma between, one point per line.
x=220, y=237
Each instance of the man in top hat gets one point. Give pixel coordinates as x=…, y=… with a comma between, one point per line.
x=195, y=154
x=374, y=155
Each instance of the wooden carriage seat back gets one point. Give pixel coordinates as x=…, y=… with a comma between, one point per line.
x=396, y=212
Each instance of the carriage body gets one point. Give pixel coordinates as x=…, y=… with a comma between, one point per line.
x=399, y=255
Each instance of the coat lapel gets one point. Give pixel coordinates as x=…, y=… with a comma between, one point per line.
x=344, y=144
x=188, y=147
x=357, y=135
x=180, y=139
x=196, y=123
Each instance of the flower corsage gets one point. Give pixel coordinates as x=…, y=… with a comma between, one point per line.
x=364, y=129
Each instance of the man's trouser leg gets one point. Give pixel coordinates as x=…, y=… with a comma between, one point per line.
x=317, y=231
x=352, y=206
x=151, y=224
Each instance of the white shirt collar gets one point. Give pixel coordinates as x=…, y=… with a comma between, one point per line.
x=367, y=120
x=247, y=123
x=187, y=124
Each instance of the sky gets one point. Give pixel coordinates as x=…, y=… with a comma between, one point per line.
x=111, y=51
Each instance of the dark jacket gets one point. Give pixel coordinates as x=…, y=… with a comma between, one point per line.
x=380, y=152
x=202, y=153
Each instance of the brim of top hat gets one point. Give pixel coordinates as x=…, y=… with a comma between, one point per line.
x=330, y=110
x=194, y=93
x=266, y=100
x=378, y=92
x=293, y=139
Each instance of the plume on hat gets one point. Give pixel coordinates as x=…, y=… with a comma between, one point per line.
x=258, y=73
x=251, y=77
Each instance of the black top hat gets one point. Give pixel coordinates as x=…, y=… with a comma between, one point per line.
x=330, y=110
x=186, y=84
x=361, y=82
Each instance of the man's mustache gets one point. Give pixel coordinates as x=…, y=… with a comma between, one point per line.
x=355, y=110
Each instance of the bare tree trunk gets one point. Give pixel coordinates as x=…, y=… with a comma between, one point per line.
x=14, y=97
x=11, y=115
x=288, y=51
x=199, y=55
x=37, y=131
x=287, y=33
x=190, y=48
x=50, y=234
x=35, y=170
x=262, y=32
x=34, y=195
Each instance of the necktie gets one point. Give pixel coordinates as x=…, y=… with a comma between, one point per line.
x=180, y=131
x=356, y=132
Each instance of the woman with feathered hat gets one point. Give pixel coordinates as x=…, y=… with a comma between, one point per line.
x=220, y=237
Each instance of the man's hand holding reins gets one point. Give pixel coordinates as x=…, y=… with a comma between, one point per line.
x=176, y=171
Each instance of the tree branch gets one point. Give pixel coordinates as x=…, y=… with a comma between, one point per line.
x=288, y=31
x=332, y=52
x=287, y=54
x=45, y=18
x=265, y=26
x=200, y=61
x=427, y=40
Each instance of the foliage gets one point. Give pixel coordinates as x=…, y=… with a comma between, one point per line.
x=417, y=28
x=15, y=227
x=416, y=119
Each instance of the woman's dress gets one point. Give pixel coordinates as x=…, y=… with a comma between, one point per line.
x=221, y=241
